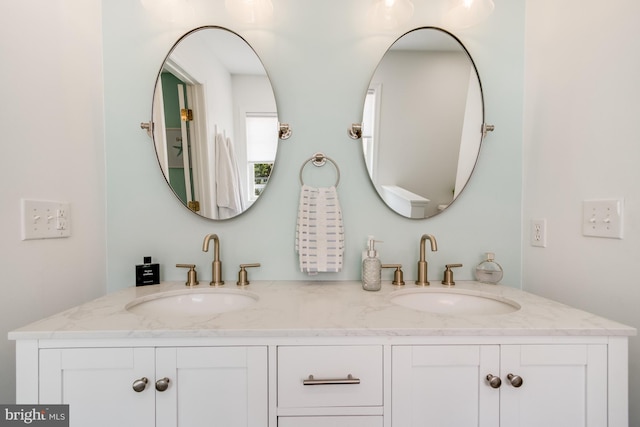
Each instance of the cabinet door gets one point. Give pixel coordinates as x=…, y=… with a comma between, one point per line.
x=97, y=384
x=217, y=386
x=444, y=386
x=562, y=386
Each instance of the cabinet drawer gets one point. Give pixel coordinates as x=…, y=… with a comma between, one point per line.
x=333, y=364
x=349, y=421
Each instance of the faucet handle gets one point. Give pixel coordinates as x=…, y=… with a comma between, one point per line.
x=448, y=274
x=242, y=274
x=398, y=276
x=192, y=276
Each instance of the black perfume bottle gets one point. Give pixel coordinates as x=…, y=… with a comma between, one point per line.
x=147, y=273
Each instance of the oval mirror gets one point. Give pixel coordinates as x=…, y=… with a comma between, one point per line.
x=423, y=122
x=215, y=123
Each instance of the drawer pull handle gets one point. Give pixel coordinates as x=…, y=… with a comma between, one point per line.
x=348, y=380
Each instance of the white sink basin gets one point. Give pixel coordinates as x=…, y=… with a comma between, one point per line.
x=453, y=301
x=192, y=302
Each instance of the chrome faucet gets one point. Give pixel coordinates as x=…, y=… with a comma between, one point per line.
x=422, y=263
x=216, y=265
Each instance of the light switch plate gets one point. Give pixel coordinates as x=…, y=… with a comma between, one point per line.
x=602, y=218
x=43, y=219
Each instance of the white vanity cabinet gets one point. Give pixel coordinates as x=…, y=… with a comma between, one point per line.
x=327, y=355
x=552, y=385
x=163, y=387
x=399, y=381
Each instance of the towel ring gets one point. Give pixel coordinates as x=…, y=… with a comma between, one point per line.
x=319, y=160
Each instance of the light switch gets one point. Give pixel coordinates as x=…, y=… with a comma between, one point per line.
x=43, y=219
x=602, y=218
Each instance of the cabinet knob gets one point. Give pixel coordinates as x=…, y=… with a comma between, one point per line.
x=162, y=384
x=515, y=380
x=140, y=384
x=494, y=382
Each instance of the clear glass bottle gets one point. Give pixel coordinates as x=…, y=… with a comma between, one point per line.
x=371, y=269
x=489, y=271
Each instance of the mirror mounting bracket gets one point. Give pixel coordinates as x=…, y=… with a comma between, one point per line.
x=487, y=128
x=148, y=126
x=284, y=131
x=355, y=131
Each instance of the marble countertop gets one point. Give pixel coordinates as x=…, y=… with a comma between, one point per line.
x=313, y=308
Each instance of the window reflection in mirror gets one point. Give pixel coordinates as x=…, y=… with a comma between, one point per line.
x=215, y=123
x=261, y=151
x=422, y=123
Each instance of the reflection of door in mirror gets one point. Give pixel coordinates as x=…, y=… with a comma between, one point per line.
x=183, y=144
x=178, y=144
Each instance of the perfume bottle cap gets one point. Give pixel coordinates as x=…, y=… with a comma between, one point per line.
x=147, y=260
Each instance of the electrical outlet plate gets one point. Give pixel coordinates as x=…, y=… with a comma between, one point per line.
x=539, y=233
x=602, y=218
x=45, y=220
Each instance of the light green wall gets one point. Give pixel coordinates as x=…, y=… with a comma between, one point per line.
x=320, y=56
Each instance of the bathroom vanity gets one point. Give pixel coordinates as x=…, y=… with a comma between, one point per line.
x=315, y=354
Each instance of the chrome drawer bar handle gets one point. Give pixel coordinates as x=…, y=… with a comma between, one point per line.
x=348, y=380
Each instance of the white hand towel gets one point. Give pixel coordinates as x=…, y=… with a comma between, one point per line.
x=319, y=230
x=227, y=181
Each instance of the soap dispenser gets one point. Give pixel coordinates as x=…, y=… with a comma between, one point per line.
x=371, y=268
x=489, y=271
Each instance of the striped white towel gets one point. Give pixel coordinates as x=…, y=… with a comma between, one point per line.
x=319, y=230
